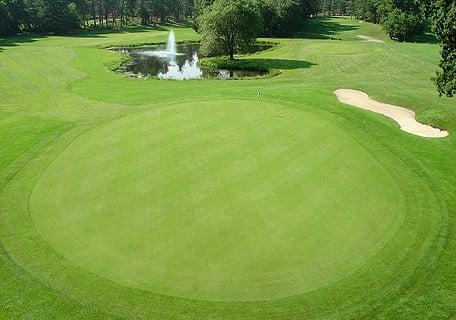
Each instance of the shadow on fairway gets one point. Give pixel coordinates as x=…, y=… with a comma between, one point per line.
x=101, y=32
x=283, y=64
x=260, y=64
x=93, y=32
x=14, y=41
x=323, y=28
x=428, y=37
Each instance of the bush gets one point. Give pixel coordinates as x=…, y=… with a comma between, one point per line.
x=403, y=26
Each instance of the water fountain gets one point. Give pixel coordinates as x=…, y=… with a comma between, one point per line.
x=174, y=62
x=170, y=52
x=190, y=70
x=171, y=48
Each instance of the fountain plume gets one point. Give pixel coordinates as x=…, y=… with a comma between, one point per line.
x=171, y=48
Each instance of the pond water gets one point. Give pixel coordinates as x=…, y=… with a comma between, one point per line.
x=179, y=64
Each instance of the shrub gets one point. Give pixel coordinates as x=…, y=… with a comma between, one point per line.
x=403, y=26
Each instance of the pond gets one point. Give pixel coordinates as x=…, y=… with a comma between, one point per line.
x=182, y=63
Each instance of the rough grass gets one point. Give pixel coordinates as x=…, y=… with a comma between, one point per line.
x=57, y=97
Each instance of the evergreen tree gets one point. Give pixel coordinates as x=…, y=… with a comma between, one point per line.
x=60, y=16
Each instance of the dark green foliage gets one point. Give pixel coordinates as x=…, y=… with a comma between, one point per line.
x=366, y=10
x=443, y=13
x=229, y=25
x=164, y=10
x=60, y=16
x=283, y=17
x=403, y=26
x=56, y=16
x=402, y=19
x=336, y=7
x=280, y=17
x=12, y=15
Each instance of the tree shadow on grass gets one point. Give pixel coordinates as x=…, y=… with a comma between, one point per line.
x=323, y=28
x=428, y=37
x=93, y=32
x=260, y=64
x=101, y=32
x=14, y=41
x=283, y=64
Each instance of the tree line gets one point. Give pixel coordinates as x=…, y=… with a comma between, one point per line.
x=281, y=17
x=278, y=17
x=403, y=20
x=64, y=16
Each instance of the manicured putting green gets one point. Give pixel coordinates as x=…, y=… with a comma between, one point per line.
x=218, y=200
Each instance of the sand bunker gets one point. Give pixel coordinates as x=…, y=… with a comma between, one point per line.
x=370, y=39
x=404, y=117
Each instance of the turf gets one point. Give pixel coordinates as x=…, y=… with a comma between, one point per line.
x=127, y=198
x=218, y=200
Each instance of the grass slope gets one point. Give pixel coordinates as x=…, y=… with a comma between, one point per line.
x=72, y=133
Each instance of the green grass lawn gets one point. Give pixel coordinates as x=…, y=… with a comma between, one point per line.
x=128, y=198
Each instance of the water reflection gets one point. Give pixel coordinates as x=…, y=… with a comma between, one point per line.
x=190, y=70
x=183, y=65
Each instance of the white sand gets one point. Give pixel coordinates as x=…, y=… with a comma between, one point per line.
x=370, y=39
x=404, y=117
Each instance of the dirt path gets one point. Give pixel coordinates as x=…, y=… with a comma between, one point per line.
x=370, y=39
x=404, y=117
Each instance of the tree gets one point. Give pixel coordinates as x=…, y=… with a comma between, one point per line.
x=83, y=8
x=281, y=17
x=443, y=14
x=367, y=10
x=12, y=15
x=402, y=26
x=403, y=20
x=60, y=16
x=229, y=25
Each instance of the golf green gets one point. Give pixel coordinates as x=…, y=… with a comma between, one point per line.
x=218, y=200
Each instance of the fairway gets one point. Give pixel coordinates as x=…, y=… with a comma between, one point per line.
x=138, y=201
x=140, y=198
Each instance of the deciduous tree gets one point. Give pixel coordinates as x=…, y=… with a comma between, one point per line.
x=443, y=14
x=229, y=25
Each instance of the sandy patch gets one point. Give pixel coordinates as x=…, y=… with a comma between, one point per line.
x=404, y=117
x=370, y=39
